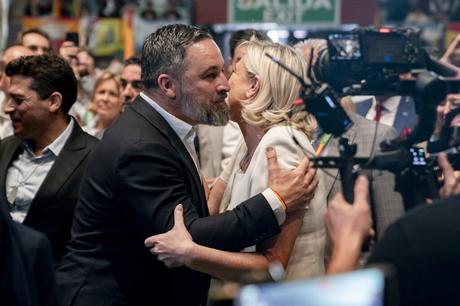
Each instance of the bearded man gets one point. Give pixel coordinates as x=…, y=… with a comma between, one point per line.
x=145, y=165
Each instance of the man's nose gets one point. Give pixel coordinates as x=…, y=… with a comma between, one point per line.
x=223, y=85
x=127, y=91
x=8, y=107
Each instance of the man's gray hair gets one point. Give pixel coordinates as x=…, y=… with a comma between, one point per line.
x=164, y=51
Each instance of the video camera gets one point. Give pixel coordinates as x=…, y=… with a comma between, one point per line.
x=380, y=61
x=372, y=60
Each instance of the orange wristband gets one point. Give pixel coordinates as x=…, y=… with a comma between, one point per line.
x=280, y=199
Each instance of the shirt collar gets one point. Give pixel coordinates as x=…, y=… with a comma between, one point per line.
x=182, y=128
x=57, y=145
x=391, y=104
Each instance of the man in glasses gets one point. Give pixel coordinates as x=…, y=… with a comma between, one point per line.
x=41, y=165
x=131, y=83
x=10, y=54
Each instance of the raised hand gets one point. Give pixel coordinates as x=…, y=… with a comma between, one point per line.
x=296, y=187
x=451, y=184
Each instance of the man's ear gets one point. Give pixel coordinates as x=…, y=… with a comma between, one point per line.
x=167, y=85
x=254, y=87
x=55, y=100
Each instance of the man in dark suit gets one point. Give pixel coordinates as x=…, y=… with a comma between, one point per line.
x=145, y=165
x=396, y=111
x=28, y=277
x=41, y=166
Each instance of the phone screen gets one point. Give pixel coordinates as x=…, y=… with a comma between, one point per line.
x=359, y=288
x=418, y=156
x=344, y=47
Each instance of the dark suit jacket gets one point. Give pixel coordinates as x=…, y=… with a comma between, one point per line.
x=51, y=210
x=27, y=276
x=136, y=176
x=424, y=248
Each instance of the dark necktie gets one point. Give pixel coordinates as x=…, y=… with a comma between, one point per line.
x=378, y=112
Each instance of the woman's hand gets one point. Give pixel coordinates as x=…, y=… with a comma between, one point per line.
x=173, y=248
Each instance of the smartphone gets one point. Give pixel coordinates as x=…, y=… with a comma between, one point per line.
x=418, y=157
x=73, y=37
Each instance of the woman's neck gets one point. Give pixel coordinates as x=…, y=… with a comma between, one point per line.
x=252, y=136
x=103, y=124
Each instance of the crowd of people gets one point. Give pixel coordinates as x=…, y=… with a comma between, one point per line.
x=136, y=186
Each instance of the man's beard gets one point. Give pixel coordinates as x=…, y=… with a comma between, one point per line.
x=216, y=114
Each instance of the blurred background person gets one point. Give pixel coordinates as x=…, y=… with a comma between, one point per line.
x=105, y=104
x=260, y=99
x=396, y=111
x=87, y=70
x=38, y=41
x=10, y=54
x=130, y=80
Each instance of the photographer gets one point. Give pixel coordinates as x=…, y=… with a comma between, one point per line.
x=422, y=245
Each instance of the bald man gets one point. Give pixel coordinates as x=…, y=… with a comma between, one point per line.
x=8, y=55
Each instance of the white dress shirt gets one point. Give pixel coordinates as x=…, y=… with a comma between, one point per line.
x=186, y=133
x=27, y=173
x=390, y=108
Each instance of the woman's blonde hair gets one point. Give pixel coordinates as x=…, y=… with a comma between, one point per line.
x=105, y=76
x=273, y=103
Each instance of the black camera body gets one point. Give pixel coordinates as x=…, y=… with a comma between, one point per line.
x=397, y=49
x=373, y=58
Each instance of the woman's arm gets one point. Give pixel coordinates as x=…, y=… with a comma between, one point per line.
x=215, y=196
x=176, y=248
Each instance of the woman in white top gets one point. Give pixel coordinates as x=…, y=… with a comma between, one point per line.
x=261, y=102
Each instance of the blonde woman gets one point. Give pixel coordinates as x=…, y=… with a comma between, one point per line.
x=105, y=103
x=261, y=100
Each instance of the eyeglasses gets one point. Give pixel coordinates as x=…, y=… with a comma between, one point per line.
x=137, y=85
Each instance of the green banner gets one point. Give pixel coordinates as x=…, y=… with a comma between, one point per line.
x=285, y=11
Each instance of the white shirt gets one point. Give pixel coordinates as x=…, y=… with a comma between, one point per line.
x=27, y=173
x=390, y=108
x=231, y=138
x=186, y=133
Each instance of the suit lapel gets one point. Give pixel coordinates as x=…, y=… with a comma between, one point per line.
x=141, y=107
x=405, y=115
x=363, y=107
x=8, y=155
x=72, y=154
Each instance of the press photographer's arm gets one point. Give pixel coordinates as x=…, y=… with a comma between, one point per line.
x=350, y=225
